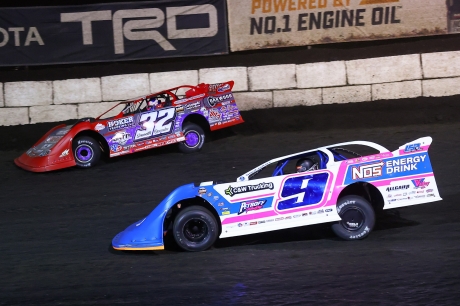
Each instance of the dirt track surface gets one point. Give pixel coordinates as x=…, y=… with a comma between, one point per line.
x=57, y=227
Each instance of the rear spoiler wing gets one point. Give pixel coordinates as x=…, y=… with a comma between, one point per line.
x=211, y=89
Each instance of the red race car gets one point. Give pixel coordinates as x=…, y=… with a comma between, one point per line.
x=177, y=115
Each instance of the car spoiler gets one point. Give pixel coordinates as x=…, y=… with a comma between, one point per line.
x=212, y=89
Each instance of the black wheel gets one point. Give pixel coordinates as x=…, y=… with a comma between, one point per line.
x=358, y=218
x=194, y=138
x=195, y=229
x=86, y=151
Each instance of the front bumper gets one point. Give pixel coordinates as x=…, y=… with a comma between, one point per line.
x=45, y=163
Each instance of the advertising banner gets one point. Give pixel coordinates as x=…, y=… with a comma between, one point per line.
x=256, y=24
x=112, y=32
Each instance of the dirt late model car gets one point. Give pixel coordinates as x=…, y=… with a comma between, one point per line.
x=328, y=184
x=177, y=115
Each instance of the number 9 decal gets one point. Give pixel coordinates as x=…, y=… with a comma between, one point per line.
x=302, y=191
x=155, y=123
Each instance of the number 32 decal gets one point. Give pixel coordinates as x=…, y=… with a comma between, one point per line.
x=155, y=123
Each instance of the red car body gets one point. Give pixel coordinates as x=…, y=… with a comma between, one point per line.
x=147, y=122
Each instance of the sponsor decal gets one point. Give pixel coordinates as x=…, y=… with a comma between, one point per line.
x=194, y=105
x=296, y=216
x=179, y=109
x=321, y=211
x=400, y=187
x=189, y=99
x=412, y=147
x=328, y=210
x=260, y=222
x=420, y=183
x=288, y=217
x=367, y=171
x=223, y=88
x=213, y=101
x=231, y=191
x=214, y=115
x=223, y=208
x=430, y=195
x=121, y=138
x=202, y=190
x=304, y=214
x=279, y=219
x=226, y=212
x=213, y=87
x=429, y=190
x=364, y=232
x=115, y=147
x=403, y=164
x=64, y=153
x=270, y=220
x=99, y=127
x=253, y=223
x=220, y=204
x=120, y=123
x=250, y=206
x=339, y=208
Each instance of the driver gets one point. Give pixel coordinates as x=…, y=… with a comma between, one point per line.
x=153, y=104
x=305, y=164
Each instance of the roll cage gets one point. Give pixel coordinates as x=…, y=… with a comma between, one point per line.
x=323, y=155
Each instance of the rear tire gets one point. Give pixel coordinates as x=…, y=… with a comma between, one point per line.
x=358, y=218
x=86, y=151
x=194, y=138
x=195, y=229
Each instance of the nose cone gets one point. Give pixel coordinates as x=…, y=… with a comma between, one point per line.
x=137, y=237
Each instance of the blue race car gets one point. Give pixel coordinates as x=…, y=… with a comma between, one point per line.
x=327, y=184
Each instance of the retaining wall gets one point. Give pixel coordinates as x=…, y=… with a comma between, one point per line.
x=363, y=80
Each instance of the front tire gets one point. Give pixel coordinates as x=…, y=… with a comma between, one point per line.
x=194, y=138
x=195, y=229
x=86, y=151
x=358, y=218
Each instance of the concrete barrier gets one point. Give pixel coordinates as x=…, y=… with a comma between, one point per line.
x=272, y=77
x=29, y=93
x=364, y=80
x=126, y=86
x=399, y=90
x=384, y=69
x=219, y=75
x=441, y=87
x=287, y=98
x=14, y=116
x=347, y=94
x=322, y=74
x=163, y=80
x=52, y=113
x=441, y=64
x=77, y=91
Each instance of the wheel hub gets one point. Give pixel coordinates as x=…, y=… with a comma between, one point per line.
x=84, y=153
x=352, y=219
x=192, y=139
x=195, y=230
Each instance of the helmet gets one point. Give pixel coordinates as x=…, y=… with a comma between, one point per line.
x=152, y=103
x=305, y=164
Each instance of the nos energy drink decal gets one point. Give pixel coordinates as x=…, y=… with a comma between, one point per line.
x=389, y=168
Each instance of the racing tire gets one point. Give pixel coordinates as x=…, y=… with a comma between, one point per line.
x=358, y=218
x=86, y=151
x=195, y=229
x=194, y=138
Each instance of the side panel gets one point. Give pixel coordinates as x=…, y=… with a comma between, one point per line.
x=273, y=203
